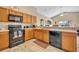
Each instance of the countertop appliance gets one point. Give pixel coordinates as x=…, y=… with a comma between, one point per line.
x=56, y=39
x=16, y=36
x=15, y=18
x=30, y=26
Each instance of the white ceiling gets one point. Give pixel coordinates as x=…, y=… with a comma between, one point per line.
x=50, y=11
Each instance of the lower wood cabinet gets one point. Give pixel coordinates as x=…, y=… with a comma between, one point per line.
x=4, y=40
x=69, y=41
x=42, y=35
x=46, y=36
x=28, y=34
x=36, y=33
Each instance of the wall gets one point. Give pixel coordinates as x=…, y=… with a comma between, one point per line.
x=73, y=16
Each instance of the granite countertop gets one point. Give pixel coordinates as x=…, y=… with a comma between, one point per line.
x=56, y=29
x=62, y=30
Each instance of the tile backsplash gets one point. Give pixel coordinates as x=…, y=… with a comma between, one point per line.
x=4, y=25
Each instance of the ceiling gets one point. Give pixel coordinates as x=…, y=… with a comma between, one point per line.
x=50, y=11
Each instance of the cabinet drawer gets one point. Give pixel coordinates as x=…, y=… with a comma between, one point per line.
x=68, y=34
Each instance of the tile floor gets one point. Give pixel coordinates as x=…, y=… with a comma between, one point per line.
x=30, y=46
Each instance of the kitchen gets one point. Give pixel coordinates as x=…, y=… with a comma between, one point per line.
x=30, y=28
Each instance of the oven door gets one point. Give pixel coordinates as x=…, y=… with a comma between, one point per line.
x=20, y=33
x=15, y=34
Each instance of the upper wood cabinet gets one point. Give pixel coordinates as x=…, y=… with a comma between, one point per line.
x=69, y=41
x=27, y=18
x=4, y=40
x=34, y=19
x=13, y=12
x=3, y=14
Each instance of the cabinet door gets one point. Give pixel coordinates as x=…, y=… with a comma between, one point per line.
x=3, y=14
x=36, y=33
x=46, y=36
x=69, y=41
x=4, y=40
x=29, y=19
x=13, y=12
x=24, y=18
x=40, y=35
x=34, y=19
x=28, y=34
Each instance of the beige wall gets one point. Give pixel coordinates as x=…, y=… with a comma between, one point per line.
x=73, y=16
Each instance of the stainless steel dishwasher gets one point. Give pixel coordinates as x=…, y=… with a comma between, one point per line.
x=55, y=39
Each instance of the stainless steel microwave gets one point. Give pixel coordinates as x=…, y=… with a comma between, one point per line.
x=15, y=18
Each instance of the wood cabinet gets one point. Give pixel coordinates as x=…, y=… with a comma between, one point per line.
x=34, y=19
x=69, y=41
x=29, y=20
x=13, y=12
x=38, y=34
x=3, y=14
x=42, y=35
x=4, y=40
x=28, y=34
x=25, y=18
x=46, y=36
